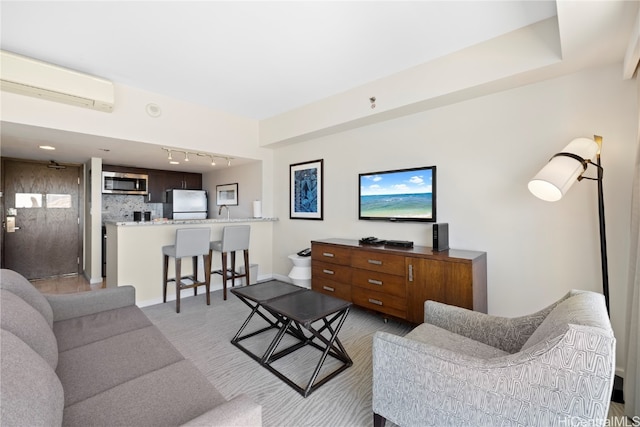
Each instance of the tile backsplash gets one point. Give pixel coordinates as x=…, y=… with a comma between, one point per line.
x=120, y=207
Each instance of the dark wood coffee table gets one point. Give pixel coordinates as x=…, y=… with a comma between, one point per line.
x=296, y=311
x=255, y=296
x=301, y=310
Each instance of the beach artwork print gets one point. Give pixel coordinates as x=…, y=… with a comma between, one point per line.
x=402, y=194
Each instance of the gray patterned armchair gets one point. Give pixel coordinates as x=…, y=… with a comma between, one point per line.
x=464, y=368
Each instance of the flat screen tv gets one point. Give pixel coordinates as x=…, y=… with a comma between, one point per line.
x=398, y=195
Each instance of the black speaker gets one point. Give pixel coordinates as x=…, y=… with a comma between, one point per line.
x=440, y=237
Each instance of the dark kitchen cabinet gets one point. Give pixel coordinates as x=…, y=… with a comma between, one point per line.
x=157, y=186
x=185, y=181
x=162, y=180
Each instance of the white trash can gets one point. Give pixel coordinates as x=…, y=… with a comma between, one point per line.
x=253, y=274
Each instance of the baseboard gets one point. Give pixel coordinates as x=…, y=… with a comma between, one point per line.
x=216, y=285
x=281, y=278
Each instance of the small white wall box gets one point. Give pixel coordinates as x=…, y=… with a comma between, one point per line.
x=253, y=274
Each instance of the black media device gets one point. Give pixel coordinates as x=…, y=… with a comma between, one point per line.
x=440, y=237
x=399, y=243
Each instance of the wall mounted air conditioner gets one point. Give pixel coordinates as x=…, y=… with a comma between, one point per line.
x=30, y=77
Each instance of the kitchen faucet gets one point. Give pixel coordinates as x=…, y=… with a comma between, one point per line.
x=220, y=210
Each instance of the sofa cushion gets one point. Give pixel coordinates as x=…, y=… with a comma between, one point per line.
x=27, y=323
x=16, y=283
x=91, y=369
x=30, y=391
x=145, y=401
x=579, y=309
x=441, y=338
x=85, y=330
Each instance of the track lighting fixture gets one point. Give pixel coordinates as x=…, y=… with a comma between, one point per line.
x=211, y=157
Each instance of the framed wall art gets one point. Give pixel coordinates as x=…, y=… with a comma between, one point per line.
x=306, y=198
x=227, y=194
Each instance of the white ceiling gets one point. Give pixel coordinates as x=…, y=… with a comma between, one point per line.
x=253, y=59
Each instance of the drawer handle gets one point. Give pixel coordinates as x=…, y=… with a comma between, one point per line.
x=375, y=261
x=328, y=272
x=328, y=254
x=328, y=288
x=375, y=282
x=375, y=301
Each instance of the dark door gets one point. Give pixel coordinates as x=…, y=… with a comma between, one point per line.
x=41, y=233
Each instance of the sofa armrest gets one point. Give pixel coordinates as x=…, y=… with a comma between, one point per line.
x=507, y=334
x=239, y=411
x=68, y=306
x=416, y=383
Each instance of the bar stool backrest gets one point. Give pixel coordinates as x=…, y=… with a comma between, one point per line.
x=192, y=242
x=235, y=238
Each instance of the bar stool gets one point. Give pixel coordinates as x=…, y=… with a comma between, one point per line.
x=234, y=238
x=190, y=242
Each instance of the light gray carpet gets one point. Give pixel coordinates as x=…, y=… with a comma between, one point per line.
x=203, y=333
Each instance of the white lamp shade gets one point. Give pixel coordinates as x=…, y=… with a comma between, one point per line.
x=557, y=176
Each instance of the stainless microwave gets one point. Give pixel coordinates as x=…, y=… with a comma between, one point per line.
x=125, y=183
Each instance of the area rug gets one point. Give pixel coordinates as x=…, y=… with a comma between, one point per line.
x=203, y=333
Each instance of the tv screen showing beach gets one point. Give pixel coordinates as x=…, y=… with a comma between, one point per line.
x=399, y=195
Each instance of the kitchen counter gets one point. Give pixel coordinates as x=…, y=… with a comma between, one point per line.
x=134, y=253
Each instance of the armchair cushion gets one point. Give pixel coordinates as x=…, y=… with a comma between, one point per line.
x=506, y=333
x=443, y=339
x=581, y=309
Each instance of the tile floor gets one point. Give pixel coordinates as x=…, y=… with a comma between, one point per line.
x=65, y=285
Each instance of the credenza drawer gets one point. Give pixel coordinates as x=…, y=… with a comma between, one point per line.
x=387, y=263
x=380, y=282
x=338, y=290
x=330, y=253
x=334, y=272
x=378, y=301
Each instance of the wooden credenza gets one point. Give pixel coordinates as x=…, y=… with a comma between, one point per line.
x=397, y=281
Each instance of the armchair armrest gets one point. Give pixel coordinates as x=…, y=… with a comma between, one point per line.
x=506, y=333
x=68, y=306
x=239, y=411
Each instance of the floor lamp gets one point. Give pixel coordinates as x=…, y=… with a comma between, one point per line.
x=565, y=168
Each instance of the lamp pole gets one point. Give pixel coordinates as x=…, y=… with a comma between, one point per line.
x=603, y=234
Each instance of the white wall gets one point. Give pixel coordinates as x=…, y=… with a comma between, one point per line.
x=249, y=180
x=486, y=150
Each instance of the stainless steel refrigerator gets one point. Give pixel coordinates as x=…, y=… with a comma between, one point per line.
x=185, y=204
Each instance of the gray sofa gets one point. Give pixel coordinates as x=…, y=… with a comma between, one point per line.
x=95, y=359
x=463, y=368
